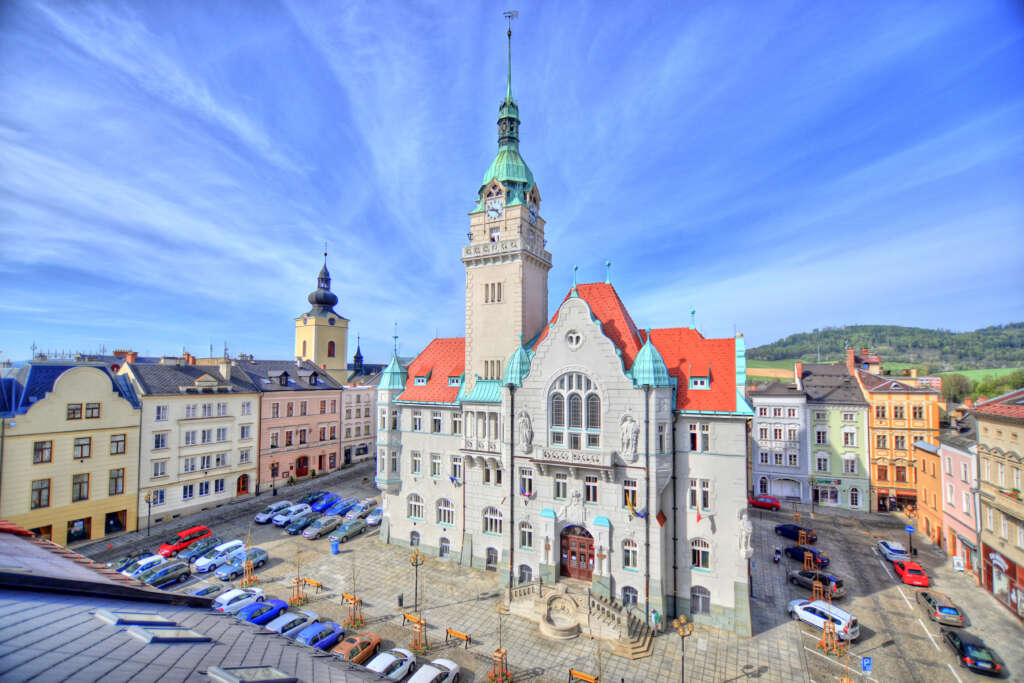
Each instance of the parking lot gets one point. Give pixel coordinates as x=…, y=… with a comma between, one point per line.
x=903, y=644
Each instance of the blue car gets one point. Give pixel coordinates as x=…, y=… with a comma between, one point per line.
x=321, y=636
x=341, y=507
x=796, y=552
x=325, y=502
x=262, y=613
x=793, y=531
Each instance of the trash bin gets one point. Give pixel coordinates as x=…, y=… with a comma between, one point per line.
x=334, y=547
x=401, y=599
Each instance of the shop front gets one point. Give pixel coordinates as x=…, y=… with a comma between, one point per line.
x=894, y=499
x=825, y=491
x=1004, y=579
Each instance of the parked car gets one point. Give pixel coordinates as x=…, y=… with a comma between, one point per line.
x=940, y=608
x=324, y=525
x=325, y=502
x=806, y=578
x=135, y=569
x=911, y=572
x=235, y=565
x=373, y=519
x=320, y=636
x=217, y=555
x=205, y=590
x=183, y=539
x=972, y=652
x=266, y=514
x=364, y=508
x=199, y=548
x=291, y=623
x=349, y=530
x=438, y=671
x=299, y=524
x=285, y=517
x=793, y=531
x=395, y=664
x=166, y=574
x=120, y=563
x=263, y=612
x=312, y=497
x=892, y=551
x=358, y=648
x=796, y=552
x=765, y=502
x=817, y=612
x=235, y=599
x=342, y=506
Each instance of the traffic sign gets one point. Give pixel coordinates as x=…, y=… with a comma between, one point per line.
x=865, y=664
x=910, y=529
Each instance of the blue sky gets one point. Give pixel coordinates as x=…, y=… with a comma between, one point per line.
x=170, y=171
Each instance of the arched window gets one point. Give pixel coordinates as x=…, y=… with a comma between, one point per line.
x=700, y=600
x=855, y=498
x=492, y=559
x=593, y=411
x=330, y=349
x=629, y=554
x=525, y=535
x=414, y=538
x=762, y=485
x=492, y=521
x=444, y=547
x=557, y=410
x=415, y=508
x=575, y=411
x=445, y=512
x=525, y=573
x=700, y=553
x=629, y=596
x=303, y=348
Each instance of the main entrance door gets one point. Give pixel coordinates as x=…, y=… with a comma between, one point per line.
x=302, y=466
x=577, y=553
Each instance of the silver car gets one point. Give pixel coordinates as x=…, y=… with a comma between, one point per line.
x=324, y=525
x=290, y=623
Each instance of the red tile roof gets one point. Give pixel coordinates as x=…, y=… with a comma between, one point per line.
x=1009, y=405
x=687, y=353
x=616, y=322
x=883, y=384
x=443, y=358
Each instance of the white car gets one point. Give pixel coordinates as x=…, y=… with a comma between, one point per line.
x=817, y=612
x=135, y=569
x=266, y=514
x=290, y=623
x=893, y=551
x=288, y=515
x=438, y=671
x=216, y=556
x=395, y=664
x=234, y=600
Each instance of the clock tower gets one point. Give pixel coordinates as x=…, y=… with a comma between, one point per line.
x=506, y=263
x=321, y=335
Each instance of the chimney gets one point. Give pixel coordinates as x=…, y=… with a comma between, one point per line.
x=851, y=361
x=913, y=372
x=798, y=374
x=225, y=368
x=298, y=361
x=967, y=402
x=131, y=356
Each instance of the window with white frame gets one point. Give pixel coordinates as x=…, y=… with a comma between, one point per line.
x=435, y=464
x=159, y=468
x=492, y=521
x=765, y=455
x=575, y=409
x=777, y=456
x=221, y=460
x=190, y=438
x=222, y=433
x=445, y=512
x=161, y=413
x=244, y=454
x=794, y=459
x=848, y=417
x=1003, y=527
x=821, y=436
x=394, y=462
x=417, y=421
x=525, y=481
x=629, y=492
x=159, y=441
x=791, y=412
x=222, y=409
x=204, y=488
x=700, y=554
x=762, y=432
x=988, y=519
x=187, y=491
x=414, y=506
x=849, y=464
x=189, y=465
x=776, y=412
x=791, y=434
x=158, y=497
x=949, y=465
x=435, y=421
x=820, y=415
x=700, y=600
x=246, y=407
x=966, y=502
x=855, y=497
x=525, y=535
x=705, y=494
x=821, y=462
x=205, y=462
x=950, y=500
x=207, y=410
x=207, y=435
x=630, y=596
x=415, y=461
x=245, y=432
x=590, y=489
x=777, y=433
x=762, y=411
x=457, y=467
x=629, y=554
x=762, y=486
x=561, y=486
x=693, y=493
x=382, y=424
x=191, y=410
x=849, y=438
x=457, y=423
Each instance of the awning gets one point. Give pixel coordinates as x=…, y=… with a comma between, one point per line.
x=967, y=543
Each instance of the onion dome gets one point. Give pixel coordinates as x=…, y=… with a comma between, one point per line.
x=649, y=367
x=323, y=299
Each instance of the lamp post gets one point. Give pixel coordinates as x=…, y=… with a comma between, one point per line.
x=684, y=628
x=149, y=510
x=416, y=561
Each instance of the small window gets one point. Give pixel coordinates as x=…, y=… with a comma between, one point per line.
x=454, y=381
x=699, y=383
x=421, y=381
x=92, y=410
x=700, y=600
x=700, y=554
x=75, y=411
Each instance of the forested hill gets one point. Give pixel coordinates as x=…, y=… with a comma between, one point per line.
x=990, y=347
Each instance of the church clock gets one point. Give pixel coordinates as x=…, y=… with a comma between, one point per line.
x=495, y=208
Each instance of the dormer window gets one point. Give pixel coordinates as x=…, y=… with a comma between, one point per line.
x=283, y=379
x=312, y=379
x=421, y=381
x=454, y=381
x=700, y=383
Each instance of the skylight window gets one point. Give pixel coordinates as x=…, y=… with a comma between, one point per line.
x=421, y=381
x=700, y=383
x=167, y=634
x=127, y=618
x=454, y=381
x=248, y=674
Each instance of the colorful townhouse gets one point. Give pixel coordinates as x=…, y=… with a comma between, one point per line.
x=837, y=435
x=927, y=463
x=69, y=442
x=1001, y=463
x=958, y=452
x=780, y=443
x=359, y=428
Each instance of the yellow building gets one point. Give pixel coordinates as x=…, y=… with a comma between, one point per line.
x=321, y=335
x=69, y=443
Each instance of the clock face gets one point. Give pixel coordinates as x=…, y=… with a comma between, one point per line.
x=495, y=207
x=533, y=213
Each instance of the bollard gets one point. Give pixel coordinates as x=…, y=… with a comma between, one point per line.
x=334, y=547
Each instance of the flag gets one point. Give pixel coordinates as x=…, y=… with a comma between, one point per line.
x=661, y=518
x=698, y=514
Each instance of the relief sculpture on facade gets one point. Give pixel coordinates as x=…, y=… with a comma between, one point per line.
x=525, y=431
x=746, y=531
x=629, y=432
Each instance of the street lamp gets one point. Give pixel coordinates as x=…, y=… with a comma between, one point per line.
x=416, y=561
x=684, y=628
x=149, y=510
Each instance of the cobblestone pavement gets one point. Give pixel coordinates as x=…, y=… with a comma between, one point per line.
x=780, y=651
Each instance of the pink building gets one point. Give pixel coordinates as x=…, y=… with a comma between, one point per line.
x=957, y=448
x=359, y=431
x=300, y=419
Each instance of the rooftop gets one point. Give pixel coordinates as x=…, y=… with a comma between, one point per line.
x=1009, y=405
x=831, y=383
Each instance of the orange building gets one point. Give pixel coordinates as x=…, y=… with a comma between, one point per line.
x=928, y=470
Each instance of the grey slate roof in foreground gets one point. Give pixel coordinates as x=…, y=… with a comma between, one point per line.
x=831, y=383
x=168, y=379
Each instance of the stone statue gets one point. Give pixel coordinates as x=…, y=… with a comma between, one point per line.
x=525, y=431
x=746, y=531
x=629, y=432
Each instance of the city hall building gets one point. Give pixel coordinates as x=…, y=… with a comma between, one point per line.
x=577, y=447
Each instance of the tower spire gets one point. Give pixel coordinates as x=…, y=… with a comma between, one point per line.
x=508, y=89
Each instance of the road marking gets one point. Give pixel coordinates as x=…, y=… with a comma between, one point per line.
x=953, y=672
x=838, y=663
x=885, y=566
x=906, y=600
x=928, y=633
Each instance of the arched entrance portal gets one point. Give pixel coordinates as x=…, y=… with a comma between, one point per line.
x=577, y=553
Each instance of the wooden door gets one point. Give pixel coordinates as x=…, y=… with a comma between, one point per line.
x=577, y=551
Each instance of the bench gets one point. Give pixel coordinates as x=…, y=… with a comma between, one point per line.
x=464, y=637
x=349, y=598
x=410, y=617
x=575, y=675
x=315, y=584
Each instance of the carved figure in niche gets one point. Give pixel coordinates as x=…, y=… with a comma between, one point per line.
x=525, y=431
x=629, y=432
x=746, y=531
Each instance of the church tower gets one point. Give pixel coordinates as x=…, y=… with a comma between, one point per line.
x=506, y=263
x=321, y=335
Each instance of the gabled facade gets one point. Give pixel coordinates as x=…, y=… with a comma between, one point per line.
x=958, y=453
x=928, y=473
x=779, y=443
x=70, y=445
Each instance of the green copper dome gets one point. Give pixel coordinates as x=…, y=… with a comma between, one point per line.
x=649, y=367
x=518, y=367
x=393, y=377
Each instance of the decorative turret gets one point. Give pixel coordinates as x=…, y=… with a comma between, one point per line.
x=394, y=375
x=649, y=367
x=357, y=360
x=518, y=367
x=321, y=335
x=323, y=299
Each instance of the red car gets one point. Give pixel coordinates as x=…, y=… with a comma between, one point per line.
x=911, y=573
x=766, y=502
x=183, y=539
